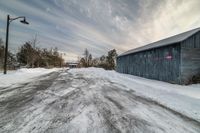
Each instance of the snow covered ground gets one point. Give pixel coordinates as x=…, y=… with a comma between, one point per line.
x=23, y=75
x=184, y=99
x=93, y=100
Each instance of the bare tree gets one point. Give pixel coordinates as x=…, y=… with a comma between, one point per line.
x=86, y=61
x=34, y=52
x=86, y=55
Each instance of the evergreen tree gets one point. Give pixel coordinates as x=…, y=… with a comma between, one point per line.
x=1, y=53
x=11, y=60
x=111, y=59
x=35, y=57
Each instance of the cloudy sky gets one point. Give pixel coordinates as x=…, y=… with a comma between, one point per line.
x=99, y=25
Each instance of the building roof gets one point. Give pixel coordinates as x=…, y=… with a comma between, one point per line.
x=72, y=63
x=165, y=42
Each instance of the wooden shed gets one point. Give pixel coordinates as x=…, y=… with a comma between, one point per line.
x=175, y=59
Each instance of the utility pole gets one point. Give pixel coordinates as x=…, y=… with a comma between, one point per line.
x=6, y=48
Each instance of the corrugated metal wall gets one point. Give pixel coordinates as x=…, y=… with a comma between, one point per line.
x=190, y=57
x=160, y=63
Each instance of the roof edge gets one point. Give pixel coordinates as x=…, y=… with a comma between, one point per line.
x=149, y=48
x=198, y=29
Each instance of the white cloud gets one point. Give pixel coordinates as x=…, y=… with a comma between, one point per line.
x=162, y=20
x=48, y=9
x=100, y=25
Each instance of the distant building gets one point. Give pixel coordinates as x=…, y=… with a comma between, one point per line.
x=175, y=59
x=72, y=64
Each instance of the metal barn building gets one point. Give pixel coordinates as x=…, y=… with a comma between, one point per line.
x=175, y=59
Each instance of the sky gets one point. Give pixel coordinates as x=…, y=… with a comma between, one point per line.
x=98, y=25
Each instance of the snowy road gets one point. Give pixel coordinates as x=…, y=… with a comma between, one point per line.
x=66, y=102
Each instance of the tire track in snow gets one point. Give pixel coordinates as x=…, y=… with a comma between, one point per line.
x=66, y=102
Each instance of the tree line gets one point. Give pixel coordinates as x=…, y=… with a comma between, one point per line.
x=11, y=57
x=107, y=62
x=31, y=56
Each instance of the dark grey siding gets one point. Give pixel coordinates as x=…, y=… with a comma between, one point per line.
x=190, y=57
x=154, y=64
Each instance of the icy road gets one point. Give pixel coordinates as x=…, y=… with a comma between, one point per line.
x=66, y=102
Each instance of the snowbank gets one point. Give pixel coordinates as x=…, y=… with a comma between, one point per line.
x=184, y=99
x=22, y=75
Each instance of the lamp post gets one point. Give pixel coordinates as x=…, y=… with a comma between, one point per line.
x=9, y=20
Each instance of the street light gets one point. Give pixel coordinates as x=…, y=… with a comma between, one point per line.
x=24, y=21
x=9, y=20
